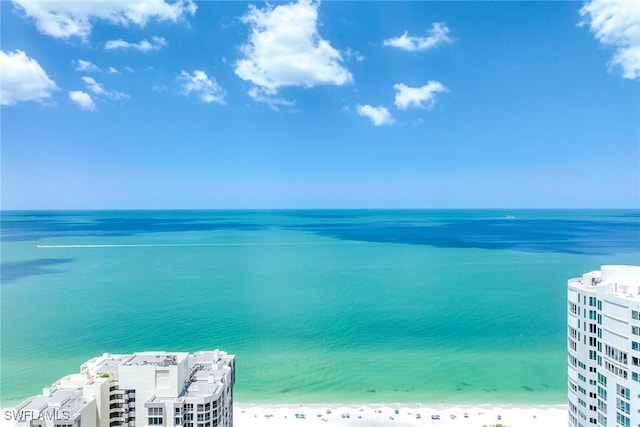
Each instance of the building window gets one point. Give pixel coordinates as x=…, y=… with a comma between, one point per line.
x=602, y=419
x=623, y=406
x=622, y=373
x=615, y=354
x=602, y=393
x=573, y=309
x=602, y=406
x=622, y=420
x=573, y=333
x=622, y=391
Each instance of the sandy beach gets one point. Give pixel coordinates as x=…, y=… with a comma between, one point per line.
x=401, y=415
x=390, y=415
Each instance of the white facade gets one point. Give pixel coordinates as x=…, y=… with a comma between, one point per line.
x=153, y=388
x=603, y=341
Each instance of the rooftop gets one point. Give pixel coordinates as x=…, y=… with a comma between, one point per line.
x=106, y=364
x=64, y=399
x=109, y=365
x=207, y=369
x=203, y=388
x=617, y=280
x=158, y=358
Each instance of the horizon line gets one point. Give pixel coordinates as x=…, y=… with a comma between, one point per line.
x=265, y=209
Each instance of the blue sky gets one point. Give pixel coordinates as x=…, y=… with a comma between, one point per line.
x=129, y=104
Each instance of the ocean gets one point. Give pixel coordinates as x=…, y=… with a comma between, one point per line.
x=454, y=306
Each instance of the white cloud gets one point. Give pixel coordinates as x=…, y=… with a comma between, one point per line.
x=82, y=65
x=378, y=115
x=274, y=102
x=285, y=49
x=65, y=19
x=144, y=45
x=438, y=35
x=22, y=79
x=112, y=70
x=415, y=96
x=98, y=89
x=350, y=53
x=82, y=99
x=200, y=84
x=617, y=23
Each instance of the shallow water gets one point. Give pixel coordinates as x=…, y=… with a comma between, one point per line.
x=317, y=306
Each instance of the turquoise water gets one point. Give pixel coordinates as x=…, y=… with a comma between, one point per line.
x=317, y=306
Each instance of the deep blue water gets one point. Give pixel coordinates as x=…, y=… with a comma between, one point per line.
x=586, y=232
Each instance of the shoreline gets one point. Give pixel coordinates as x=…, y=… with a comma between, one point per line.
x=390, y=415
x=400, y=415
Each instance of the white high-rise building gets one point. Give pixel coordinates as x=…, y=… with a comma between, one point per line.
x=603, y=328
x=154, y=388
